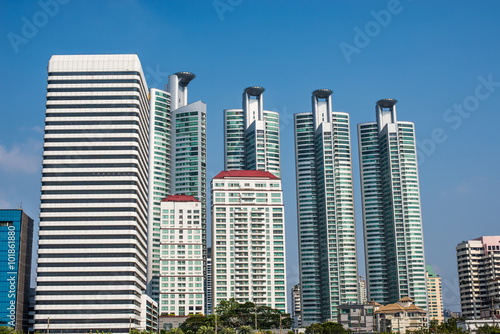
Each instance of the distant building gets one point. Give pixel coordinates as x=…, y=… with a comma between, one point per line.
x=434, y=295
x=248, y=238
x=359, y=318
x=361, y=290
x=208, y=283
x=181, y=274
x=401, y=317
x=478, y=262
x=451, y=314
x=296, y=309
x=149, y=314
x=16, y=239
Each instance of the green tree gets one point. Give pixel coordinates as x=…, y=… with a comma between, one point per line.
x=175, y=331
x=205, y=330
x=326, y=328
x=488, y=330
x=194, y=323
x=227, y=331
x=245, y=330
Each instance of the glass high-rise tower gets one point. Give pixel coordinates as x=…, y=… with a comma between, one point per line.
x=252, y=135
x=178, y=159
x=325, y=210
x=392, y=220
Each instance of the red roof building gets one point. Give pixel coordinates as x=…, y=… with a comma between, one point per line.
x=246, y=174
x=180, y=198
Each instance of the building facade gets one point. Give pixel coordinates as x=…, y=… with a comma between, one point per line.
x=362, y=290
x=16, y=239
x=359, y=318
x=248, y=239
x=92, y=254
x=478, y=263
x=181, y=260
x=325, y=210
x=435, y=295
x=178, y=159
x=208, y=283
x=296, y=306
x=252, y=135
x=392, y=220
x=401, y=317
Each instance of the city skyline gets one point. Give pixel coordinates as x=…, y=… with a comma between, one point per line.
x=428, y=90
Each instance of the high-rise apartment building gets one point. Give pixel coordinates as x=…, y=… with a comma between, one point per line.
x=296, y=306
x=392, y=220
x=93, y=237
x=181, y=260
x=248, y=238
x=208, y=283
x=252, y=135
x=325, y=210
x=362, y=290
x=16, y=239
x=434, y=295
x=478, y=263
x=178, y=156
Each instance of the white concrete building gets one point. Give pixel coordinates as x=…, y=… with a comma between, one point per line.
x=248, y=238
x=296, y=306
x=478, y=262
x=181, y=260
x=92, y=256
x=362, y=290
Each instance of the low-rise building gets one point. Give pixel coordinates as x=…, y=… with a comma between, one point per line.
x=402, y=317
x=296, y=307
x=149, y=314
x=359, y=318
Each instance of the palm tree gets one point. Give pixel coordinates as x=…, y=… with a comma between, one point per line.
x=205, y=330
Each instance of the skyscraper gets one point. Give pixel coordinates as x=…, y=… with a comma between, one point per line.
x=248, y=239
x=16, y=239
x=478, y=262
x=177, y=160
x=392, y=221
x=92, y=254
x=252, y=135
x=325, y=210
x=181, y=260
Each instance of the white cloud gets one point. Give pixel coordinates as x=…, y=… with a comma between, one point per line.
x=21, y=158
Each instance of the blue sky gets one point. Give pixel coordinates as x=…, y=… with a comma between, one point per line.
x=434, y=57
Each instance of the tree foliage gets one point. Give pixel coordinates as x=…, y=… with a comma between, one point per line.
x=486, y=329
x=326, y=328
x=231, y=314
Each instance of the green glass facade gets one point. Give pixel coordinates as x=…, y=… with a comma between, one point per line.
x=392, y=221
x=325, y=204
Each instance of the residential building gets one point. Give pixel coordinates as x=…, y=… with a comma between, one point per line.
x=178, y=154
x=400, y=317
x=296, y=309
x=16, y=239
x=181, y=261
x=434, y=294
x=325, y=210
x=149, y=314
x=248, y=238
x=252, y=135
x=208, y=283
x=359, y=318
x=392, y=219
x=93, y=237
x=478, y=263
x=361, y=290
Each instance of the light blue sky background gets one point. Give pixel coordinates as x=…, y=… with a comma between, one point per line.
x=429, y=55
